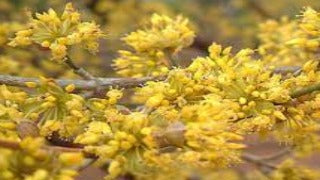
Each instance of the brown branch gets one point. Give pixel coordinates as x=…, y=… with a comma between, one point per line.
x=283, y=70
x=105, y=83
x=296, y=70
x=78, y=70
x=201, y=44
x=87, y=164
x=80, y=84
x=264, y=167
x=277, y=155
x=9, y=144
x=305, y=90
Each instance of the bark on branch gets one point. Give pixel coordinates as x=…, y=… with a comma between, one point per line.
x=105, y=83
x=305, y=90
x=78, y=70
x=80, y=84
x=265, y=167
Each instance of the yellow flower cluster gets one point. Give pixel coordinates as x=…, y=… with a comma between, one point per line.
x=273, y=45
x=10, y=114
x=118, y=140
x=56, y=110
x=49, y=30
x=34, y=163
x=301, y=125
x=163, y=33
x=6, y=29
x=255, y=99
x=245, y=84
x=152, y=63
x=290, y=42
x=142, y=143
x=289, y=170
x=154, y=47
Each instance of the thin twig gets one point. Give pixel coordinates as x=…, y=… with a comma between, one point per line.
x=80, y=84
x=105, y=83
x=277, y=155
x=305, y=90
x=9, y=144
x=78, y=70
x=85, y=74
x=286, y=70
x=296, y=70
x=88, y=163
x=265, y=167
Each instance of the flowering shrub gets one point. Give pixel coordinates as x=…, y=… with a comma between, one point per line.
x=183, y=121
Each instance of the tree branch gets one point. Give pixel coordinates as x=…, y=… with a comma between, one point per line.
x=296, y=70
x=264, y=167
x=9, y=144
x=277, y=155
x=283, y=70
x=80, y=84
x=305, y=90
x=105, y=83
x=78, y=70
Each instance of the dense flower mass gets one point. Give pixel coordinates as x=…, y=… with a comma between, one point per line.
x=163, y=33
x=34, y=163
x=55, y=32
x=188, y=121
x=154, y=47
x=152, y=63
x=290, y=42
x=288, y=170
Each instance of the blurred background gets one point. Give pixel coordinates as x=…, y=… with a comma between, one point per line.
x=234, y=23
x=227, y=22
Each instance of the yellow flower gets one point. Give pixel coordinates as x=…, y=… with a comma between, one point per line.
x=70, y=88
x=31, y=84
x=141, y=64
x=114, y=95
x=70, y=159
x=114, y=169
x=59, y=32
x=163, y=33
x=155, y=101
x=154, y=47
x=288, y=170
